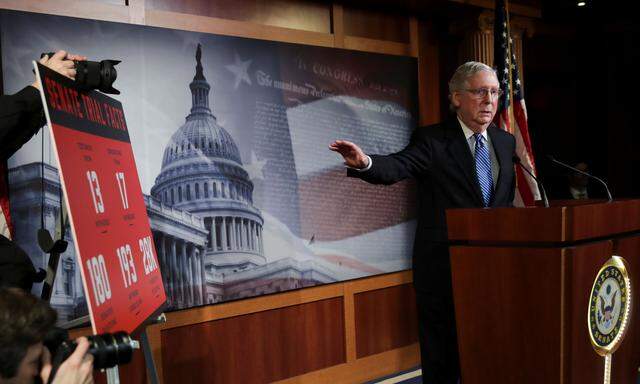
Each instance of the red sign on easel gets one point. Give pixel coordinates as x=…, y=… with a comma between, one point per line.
x=108, y=216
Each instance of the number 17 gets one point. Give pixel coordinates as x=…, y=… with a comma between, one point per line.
x=122, y=186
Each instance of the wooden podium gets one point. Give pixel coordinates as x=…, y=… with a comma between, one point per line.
x=521, y=283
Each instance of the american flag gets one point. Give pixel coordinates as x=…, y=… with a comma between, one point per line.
x=5, y=218
x=512, y=117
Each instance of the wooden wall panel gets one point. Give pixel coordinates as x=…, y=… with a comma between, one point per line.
x=378, y=46
x=87, y=9
x=115, y=2
x=385, y=319
x=303, y=15
x=256, y=348
x=518, y=308
x=376, y=24
x=228, y=27
x=429, y=91
x=350, y=369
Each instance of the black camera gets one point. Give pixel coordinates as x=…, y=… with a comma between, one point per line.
x=108, y=349
x=95, y=75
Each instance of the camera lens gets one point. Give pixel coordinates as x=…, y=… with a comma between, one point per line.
x=94, y=75
x=109, y=350
x=97, y=75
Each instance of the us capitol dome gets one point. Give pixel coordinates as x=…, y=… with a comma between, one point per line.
x=202, y=174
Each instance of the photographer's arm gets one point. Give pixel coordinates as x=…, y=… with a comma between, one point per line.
x=21, y=114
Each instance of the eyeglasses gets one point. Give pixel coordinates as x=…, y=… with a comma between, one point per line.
x=481, y=93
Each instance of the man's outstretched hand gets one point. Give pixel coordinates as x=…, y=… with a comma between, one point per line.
x=352, y=154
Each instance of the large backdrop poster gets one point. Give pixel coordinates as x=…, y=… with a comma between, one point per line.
x=230, y=137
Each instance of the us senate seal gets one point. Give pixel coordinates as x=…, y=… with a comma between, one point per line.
x=609, y=306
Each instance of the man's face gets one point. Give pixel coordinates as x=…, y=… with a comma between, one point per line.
x=29, y=367
x=577, y=180
x=474, y=109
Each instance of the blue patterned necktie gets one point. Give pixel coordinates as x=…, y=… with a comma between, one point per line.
x=483, y=168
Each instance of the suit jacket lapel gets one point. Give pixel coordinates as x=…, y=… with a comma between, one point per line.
x=500, y=147
x=459, y=150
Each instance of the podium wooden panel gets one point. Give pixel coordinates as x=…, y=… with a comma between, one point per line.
x=521, y=281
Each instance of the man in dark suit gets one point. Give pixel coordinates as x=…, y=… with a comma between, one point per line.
x=463, y=162
x=572, y=185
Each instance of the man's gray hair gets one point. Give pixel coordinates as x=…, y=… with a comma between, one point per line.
x=467, y=70
x=464, y=72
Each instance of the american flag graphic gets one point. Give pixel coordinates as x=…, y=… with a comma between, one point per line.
x=512, y=117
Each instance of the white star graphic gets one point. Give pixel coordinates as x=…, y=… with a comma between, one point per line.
x=255, y=168
x=239, y=69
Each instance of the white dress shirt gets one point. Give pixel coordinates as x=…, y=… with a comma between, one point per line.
x=579, y=193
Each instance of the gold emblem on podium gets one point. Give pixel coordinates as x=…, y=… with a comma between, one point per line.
x=609, y=310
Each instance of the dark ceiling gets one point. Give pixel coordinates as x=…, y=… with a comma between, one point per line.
x=552, y=10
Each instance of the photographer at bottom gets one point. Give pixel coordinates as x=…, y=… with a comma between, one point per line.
x=24, y=322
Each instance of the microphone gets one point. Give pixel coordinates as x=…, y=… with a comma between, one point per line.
x=516, y=160
x=610, y=199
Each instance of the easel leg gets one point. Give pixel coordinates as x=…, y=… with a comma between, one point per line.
x=113, y=376
x=148, y=358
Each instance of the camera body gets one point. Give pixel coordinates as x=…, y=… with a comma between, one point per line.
x=94, y=74
x=108, y=349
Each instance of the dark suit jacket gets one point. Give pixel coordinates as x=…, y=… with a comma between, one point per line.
x=438, y=157
x=21, y=116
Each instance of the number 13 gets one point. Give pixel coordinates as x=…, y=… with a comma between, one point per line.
x=98, y=203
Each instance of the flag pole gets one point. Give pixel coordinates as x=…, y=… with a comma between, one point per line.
x=510, y=64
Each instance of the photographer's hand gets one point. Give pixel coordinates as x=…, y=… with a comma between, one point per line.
x=61, y=62
x=77, y=369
